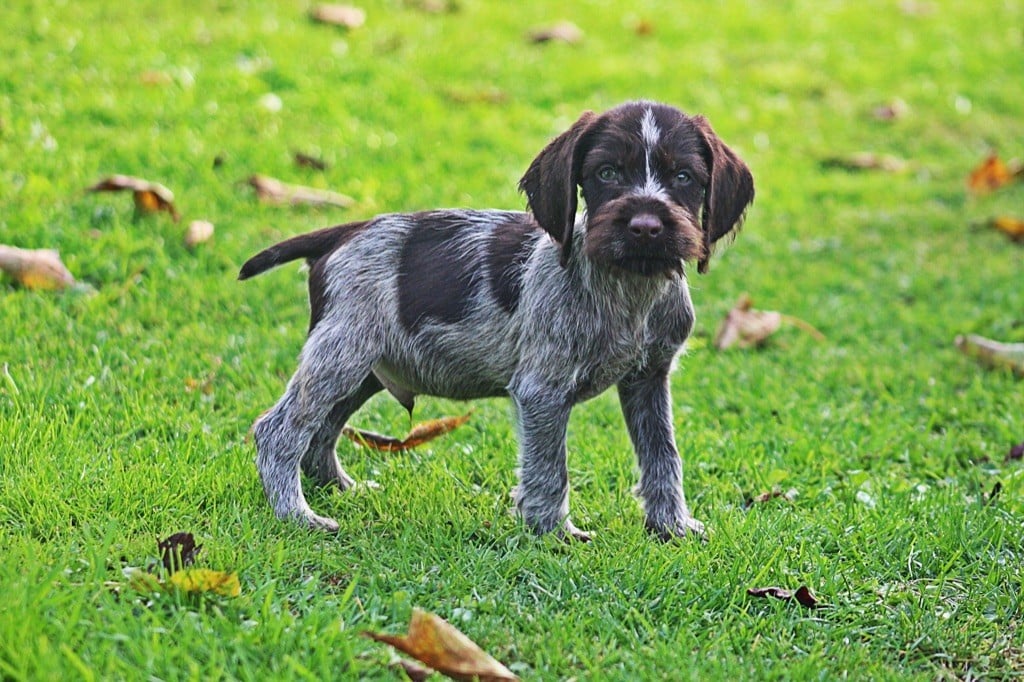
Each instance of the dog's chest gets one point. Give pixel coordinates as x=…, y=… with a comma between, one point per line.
x=608, y=360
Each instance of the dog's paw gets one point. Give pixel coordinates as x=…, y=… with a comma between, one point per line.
x=313, y=521
x=685, y=527
x=322, y=523
x=569, y=533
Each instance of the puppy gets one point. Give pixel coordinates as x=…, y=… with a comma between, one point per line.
x=544, y=307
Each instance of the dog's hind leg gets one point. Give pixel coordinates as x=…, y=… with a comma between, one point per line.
x=331, y=371
x=320, y=462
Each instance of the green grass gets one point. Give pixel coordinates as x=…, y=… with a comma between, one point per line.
x=892, y=439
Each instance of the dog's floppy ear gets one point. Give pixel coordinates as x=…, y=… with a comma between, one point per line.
x=728, y=194
x=551, y=183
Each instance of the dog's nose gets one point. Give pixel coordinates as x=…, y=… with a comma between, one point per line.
x=645, y=226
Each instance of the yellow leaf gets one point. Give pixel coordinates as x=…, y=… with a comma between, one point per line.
x=206, y=580
x=1011, y=227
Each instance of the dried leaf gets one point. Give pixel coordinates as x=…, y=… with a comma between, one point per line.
x=895, y=109
x=436, y=6
x=1011, y=227
x=199, y=580
x=204, y=385
x=643, y=28
x=178, y=551
x=484, y=95
x=155, y=78
x=1016, y=453
x=802, y=596
x=149, y=196
x=35, y=268
x=436, y=643
x=303, y=160
x=993, y=353
x=345, y=16
x=274, y=191
x=745, y=327
x=414, y=671
x=561, y=32
x=772, y=494
x=861, y=161
x=420, y=434
x=198, y=232
x=992, y=174
x=805, y=598
x=776, y=592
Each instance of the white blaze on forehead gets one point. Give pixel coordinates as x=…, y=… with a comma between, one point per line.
x=649, y=130
x=650, y=134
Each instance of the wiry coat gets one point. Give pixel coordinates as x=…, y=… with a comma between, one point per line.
x=542, y=306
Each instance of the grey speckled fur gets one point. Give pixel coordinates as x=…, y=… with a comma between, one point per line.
x=600, y=300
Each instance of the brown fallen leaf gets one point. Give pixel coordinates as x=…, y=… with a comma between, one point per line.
x=992, y=174
x=436, y=643
x=178, y=551
x=418, y=435
x=303, y=160
x=861, y=161
x=892, y=111
x=772, y=494
x=1016, y=453
x=198, y=232
x=745, y=327
x=435, y=6
x=993, y=353
x=1011, y=227
x=643, y=28
x=414, y=671
x=484, y=95
x=149, y=196
x=155, y=78
x=35, y=268
x=802, y=596
x=274, y=191
x=345, y=16
x=560, y=32
x=204, y=385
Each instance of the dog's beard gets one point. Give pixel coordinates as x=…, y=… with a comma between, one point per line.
x=608, y=240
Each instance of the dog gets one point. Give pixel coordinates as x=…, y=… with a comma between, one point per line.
x=543, y=306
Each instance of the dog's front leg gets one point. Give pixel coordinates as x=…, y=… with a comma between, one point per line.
x=646, y=404
x=542, y=496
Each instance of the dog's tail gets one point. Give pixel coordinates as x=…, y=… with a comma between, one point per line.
x=310, y=246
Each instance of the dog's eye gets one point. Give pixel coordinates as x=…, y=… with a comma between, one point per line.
x=683, y=178
x=607, y=174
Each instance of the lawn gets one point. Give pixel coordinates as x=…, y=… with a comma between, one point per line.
x=125, y=403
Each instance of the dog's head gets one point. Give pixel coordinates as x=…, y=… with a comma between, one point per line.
x=659, y=186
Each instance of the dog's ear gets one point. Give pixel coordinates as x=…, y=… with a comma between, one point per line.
x=551, y=182
x=728, y=194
